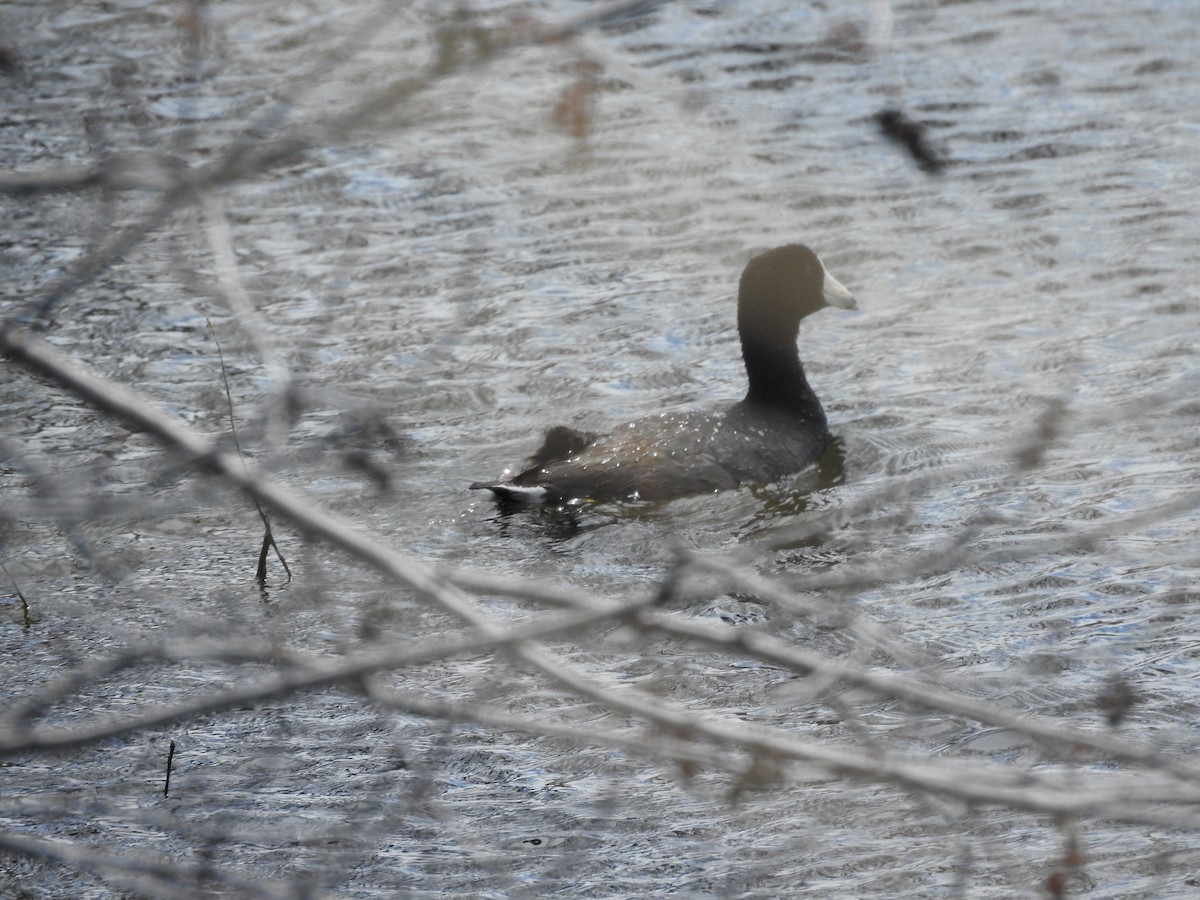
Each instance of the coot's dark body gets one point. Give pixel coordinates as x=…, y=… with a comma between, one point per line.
x=778, y=429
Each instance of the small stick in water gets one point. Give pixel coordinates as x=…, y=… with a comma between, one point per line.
x=170, y=760
x=910, y=135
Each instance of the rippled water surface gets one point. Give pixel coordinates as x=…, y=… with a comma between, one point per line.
x=554, y=236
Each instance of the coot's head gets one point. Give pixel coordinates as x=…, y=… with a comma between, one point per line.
x=778, y=289
x=781, y=287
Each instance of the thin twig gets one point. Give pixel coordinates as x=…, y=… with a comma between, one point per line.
x=268, y=540
x=26, y=622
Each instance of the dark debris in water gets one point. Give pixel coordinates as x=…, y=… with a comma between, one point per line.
x=1116, y=700
x=911, y=135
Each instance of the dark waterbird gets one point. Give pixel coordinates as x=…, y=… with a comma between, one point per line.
x=778, y=429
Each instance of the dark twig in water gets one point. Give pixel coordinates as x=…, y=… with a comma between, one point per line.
x=170, y=762
x=26, y=622
x=1117, y=699
x=910, y=135
x=268, y=540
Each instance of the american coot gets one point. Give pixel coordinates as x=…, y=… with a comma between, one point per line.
x=778, y=429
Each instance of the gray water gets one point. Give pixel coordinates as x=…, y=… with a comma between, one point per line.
x=454, y=274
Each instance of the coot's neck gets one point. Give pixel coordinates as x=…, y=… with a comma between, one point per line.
x=776, y=376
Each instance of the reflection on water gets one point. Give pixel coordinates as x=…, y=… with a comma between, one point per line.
x=462, y=272
x=789, y=500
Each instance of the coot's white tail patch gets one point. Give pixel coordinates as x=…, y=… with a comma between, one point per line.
x=517, y=493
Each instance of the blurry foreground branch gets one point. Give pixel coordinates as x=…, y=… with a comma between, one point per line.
x=1169, y=798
